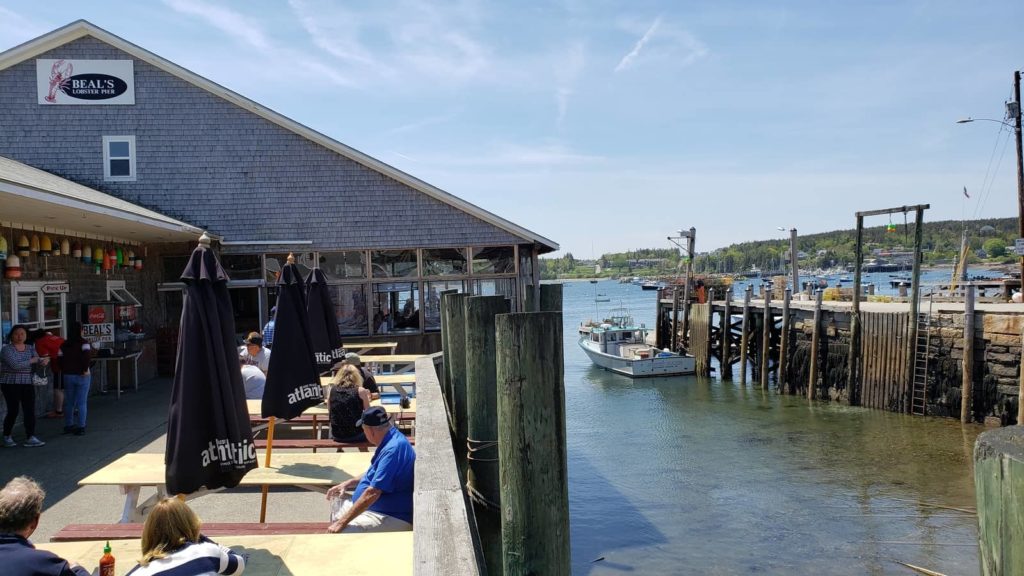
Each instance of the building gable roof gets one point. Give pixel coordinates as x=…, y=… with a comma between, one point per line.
x=83, y=28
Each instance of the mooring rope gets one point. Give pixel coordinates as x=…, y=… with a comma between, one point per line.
x=475, y=446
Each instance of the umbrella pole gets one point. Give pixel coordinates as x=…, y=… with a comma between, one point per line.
x=266, y=488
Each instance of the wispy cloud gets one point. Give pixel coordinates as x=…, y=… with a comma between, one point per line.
x=567, y=72
x=228, y=21
x=337, y=35
x=421, y=124
x=628, y=59
x=509, y=155
x=432, y=42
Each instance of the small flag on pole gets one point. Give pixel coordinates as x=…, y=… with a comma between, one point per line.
x=965, y=192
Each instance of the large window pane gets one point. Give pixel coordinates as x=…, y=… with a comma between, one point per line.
x=498, y=287
x=350, y=309
x=343, y=265
x=242, y=266
x=444, y=262
x=432, y=302
x=393, y=263
x=275, y=262
x=494, y=260
x=396, y=307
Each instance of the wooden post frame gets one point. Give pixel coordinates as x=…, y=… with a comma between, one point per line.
x=853, y=354
x=684, y=332
x=967, y=368
x=999, y=488
x=812, y=379
x=457, y=358
x=745, y=334
x=482, y=428
x=531, y=444
x=766, y=337
x=781, y=377
x=726, y=335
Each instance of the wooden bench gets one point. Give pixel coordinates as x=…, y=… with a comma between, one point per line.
x=305, y=443
x=79, y=532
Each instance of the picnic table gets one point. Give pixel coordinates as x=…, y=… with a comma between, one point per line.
x=255, y=408
x=364, y=347
x=309, y=471
x=356, y=554
x=405, y=362
x=397, y=381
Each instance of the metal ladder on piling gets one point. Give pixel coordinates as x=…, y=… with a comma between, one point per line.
x=919, y=384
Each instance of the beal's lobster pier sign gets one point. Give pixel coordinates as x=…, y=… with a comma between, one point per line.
x=85, y=81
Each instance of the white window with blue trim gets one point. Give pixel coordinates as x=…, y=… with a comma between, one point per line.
x=119, y=158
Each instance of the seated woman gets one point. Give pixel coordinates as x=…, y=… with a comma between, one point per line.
x=172, y=544
x=346, y=403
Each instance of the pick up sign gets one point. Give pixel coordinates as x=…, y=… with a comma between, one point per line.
x=98, y=332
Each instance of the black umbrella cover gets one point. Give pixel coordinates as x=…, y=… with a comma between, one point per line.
x=209, y=439
x=323, y=326
x=293, y=381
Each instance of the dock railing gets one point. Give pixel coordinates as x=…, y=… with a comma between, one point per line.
x=443, y=541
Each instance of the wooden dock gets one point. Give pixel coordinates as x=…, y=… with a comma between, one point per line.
x=802, y=347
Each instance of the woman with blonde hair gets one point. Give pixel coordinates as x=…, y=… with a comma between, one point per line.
x=346, y=402
x=172, y=544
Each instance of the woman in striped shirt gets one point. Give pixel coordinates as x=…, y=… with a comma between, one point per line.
x=16, y=360
x=173, y=546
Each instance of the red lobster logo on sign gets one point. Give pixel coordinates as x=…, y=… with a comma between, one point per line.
x=60, y=73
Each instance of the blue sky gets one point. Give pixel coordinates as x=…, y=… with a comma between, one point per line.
x=606, y=126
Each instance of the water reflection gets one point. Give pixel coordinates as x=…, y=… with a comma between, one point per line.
x=700, y=476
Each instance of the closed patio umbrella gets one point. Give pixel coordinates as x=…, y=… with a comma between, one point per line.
x=323, y=326
x=293, y=381
x=209, y=439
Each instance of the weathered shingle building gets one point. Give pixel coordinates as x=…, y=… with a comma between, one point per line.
x=97, y=112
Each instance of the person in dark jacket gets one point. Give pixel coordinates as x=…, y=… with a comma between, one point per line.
x=75, y=356
x=21, y=504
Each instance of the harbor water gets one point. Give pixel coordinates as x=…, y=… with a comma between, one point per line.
x=699, y=476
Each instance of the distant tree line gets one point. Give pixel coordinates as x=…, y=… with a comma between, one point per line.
x=988, y=239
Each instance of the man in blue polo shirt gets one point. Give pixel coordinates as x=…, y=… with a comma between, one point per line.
x=382, y=500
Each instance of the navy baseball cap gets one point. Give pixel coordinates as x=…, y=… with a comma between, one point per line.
x=374, y=416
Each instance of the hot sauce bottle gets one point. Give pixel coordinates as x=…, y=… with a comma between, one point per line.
x=107, y=561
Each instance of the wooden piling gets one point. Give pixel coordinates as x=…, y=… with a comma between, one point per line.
x=1020, y=381
x=726, y=332
x=766, y=337
x=531, y=444
x=999, y=489
x=853, y=368
x=781, y=377
x=446, y=376
x=967, y=386
x=709, y=313
x=675, y=319
x=812, y=380
x=482, y=428
x=550, y=297
x=456, y=359
x=915, y=294
x=745, y=334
